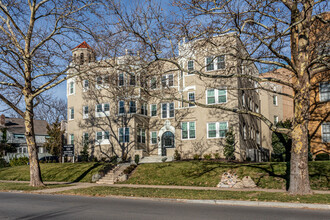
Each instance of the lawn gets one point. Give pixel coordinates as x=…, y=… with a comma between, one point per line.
x=208, y=173
x=67, y=172
x=26, y=187
x=199, y=194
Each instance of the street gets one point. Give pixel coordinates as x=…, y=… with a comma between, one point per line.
x=35, y=206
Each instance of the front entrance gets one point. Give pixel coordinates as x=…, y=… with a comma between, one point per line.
x=167, y=141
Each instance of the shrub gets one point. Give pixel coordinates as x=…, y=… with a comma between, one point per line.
x=130, y=169
x=196, y=156
x=19, y=161
x=207, y=156
x=164, y=159
x=3, y=163
x=137, y=159
x=229, y=148
x=177, y=155
x=322, y=157
x=216, y=156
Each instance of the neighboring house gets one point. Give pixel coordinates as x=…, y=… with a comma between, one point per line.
x=160, y=121
x=274, y=106
x=15, y=129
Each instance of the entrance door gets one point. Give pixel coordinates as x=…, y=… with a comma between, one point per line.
x=167, y=141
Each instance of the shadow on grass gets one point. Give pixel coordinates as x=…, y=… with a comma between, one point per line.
x=78, y=179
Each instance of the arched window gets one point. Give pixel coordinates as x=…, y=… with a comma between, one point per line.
x=81, y=58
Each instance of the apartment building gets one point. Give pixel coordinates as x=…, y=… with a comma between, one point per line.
x=124, y=107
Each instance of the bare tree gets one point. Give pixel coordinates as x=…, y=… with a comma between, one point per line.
x=51, y=109
x=273, y=33
x=34, y=37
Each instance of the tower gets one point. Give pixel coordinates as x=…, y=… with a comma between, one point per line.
x=83, y=53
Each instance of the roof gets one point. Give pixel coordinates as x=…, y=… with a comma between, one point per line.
x=16, y=126
x=83, y=45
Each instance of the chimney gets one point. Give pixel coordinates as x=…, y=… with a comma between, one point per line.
x=2, y=120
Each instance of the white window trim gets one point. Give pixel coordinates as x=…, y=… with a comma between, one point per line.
x=124, y=134
x=188, y=126
x=151, y=138
x=153, y=77
x=217, y=129
x=276, y=100
x=167, y=81
x=325, y=123
x=215, y=62
x=85, y=89
x=193, y=70
x=103, y=84
x=70, y=109
x=151, y=110
x=216, y=96
x=70, y=138
x=320, y=97
x=194, y=99
x=167, y=109
x=103, y=141
x=69, y=87
x=85, y=116
x=102, y=113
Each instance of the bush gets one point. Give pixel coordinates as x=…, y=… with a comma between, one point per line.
x=216, y=156
x=322, y=157
x=164, y=159
x=19, y=161
x=3, y=163
x=130, y=169
x=207, y=156
x=196, y=156
x=177, y=155
x=137, y=159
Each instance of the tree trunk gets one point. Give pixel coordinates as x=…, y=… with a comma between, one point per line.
x=35, y=174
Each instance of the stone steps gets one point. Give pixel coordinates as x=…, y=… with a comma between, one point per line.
x=112, y=176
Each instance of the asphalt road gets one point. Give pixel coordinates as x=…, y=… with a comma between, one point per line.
x=35, y=206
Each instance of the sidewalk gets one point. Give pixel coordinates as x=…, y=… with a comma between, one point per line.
x=79, y=185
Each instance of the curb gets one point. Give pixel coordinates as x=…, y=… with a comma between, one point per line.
x=259, y=204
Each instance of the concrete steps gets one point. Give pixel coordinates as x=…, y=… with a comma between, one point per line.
x=112, y=176
x=155, y=159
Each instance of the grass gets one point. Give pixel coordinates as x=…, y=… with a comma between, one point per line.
x=208, y=173
x=67, y=172
x=199, y=194
x=26, y=187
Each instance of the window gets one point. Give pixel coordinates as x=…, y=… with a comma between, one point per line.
x=132, y=79
x=258, y=137
x=324, y=91
x=86, y=85
x=153, y=110
x=106, y=80
x=216, y=96
x=123, y=135
x=85, y=138
x=168, y=110
x=144, y=109
x=190, y=66
x=71, y=113
x=102, y=110
x=71, y=89
x=215, y=63
x=85, y=112
x=153, y=83
x=188, y=130
x=19, y=136
x=132, y=107
x=326, y=132
x=99, y=81
x=275, y=119
x=191, y=98
x=217, y=129
x=221, y=62
x=209, y=64
x=141, y=135
x=121, y=107
x=153, y=136
x=275, y=99
x=243, y=98
x=81, y=59
x=256, y=108
x=71, y=139
x=121, y=79
x=102, y=137
x=167, y=80
x=41, y=150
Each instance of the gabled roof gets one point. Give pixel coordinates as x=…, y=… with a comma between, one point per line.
x=83, y=45
x=17, y=126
